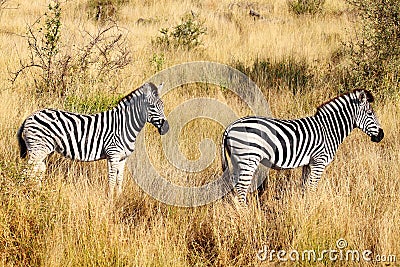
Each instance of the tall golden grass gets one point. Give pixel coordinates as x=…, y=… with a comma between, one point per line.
x=69, y=222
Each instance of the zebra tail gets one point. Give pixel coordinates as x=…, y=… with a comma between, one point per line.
x=225, y=165
x=21, y=142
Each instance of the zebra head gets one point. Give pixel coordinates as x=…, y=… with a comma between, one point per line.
x=155, y=108
x=365, y=118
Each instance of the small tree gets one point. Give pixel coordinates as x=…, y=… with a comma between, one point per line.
x=105, y=53
x=50, y=41
x=375, y=54
x=43, y=41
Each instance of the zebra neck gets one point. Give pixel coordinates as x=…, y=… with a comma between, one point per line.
x=132, y=115
x=337, y=121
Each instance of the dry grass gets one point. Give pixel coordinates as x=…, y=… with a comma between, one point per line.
x=68, y=221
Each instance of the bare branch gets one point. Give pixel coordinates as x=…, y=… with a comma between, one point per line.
x=22, y=69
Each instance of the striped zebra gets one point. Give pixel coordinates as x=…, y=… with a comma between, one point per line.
x=310, y=142
x=107, y=135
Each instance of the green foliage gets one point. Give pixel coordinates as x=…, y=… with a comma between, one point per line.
x=375, y=54
x=285, y=73
x=157, y=61
x=186, y=35
x=300, y=7
x=51, y=34
x=44, y=49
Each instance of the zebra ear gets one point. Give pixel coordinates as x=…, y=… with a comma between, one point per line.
x=365, y=96
x=149, y=88
x=362, y=97
x=370, y=97
x=160, y=87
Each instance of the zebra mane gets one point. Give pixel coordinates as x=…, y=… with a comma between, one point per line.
x=137, y=92
x=370, y=97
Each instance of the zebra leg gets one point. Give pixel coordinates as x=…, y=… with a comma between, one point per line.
x=315, y=173
x=305, y=176
x=120, y=176
x=246, y=170
x=112, y=176
x=37, y=164
x=115, y=175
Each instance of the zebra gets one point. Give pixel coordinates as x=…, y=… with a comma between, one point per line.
x=310, y=142
x=107, y=135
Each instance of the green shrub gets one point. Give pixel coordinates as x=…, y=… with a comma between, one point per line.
x=185, y=35
x=157, y=61
x=375, y=54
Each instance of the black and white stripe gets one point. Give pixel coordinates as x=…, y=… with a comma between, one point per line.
x=310, y=142
x=108, y=135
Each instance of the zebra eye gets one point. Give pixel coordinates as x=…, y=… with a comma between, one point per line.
x=369, y=112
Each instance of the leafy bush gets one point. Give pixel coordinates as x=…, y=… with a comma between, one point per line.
x=287, y=72
x=300, y=7
x=375, y=54
x=157, y=61
x=185, y=35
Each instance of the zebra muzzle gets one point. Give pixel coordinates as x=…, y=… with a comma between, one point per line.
x=379, y=137
x=164, y=127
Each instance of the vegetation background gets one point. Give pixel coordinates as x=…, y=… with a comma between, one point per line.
x=84, y=55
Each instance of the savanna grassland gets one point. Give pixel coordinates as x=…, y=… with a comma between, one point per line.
x=68, y=220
